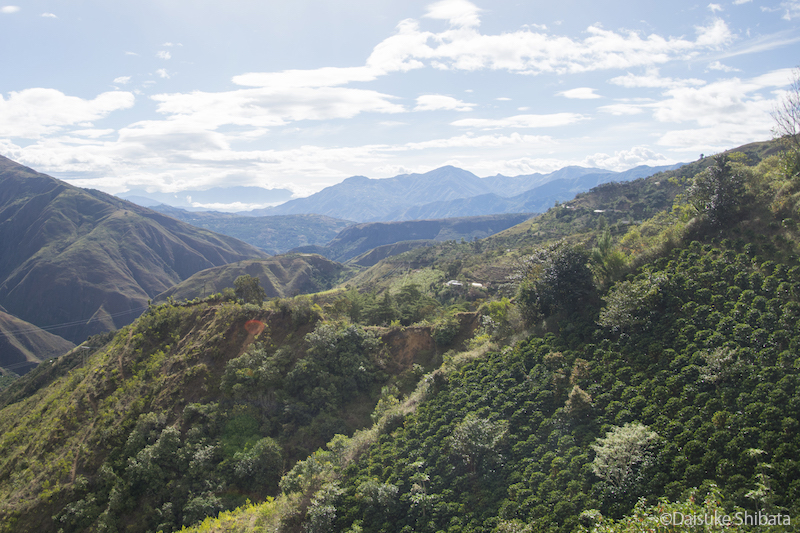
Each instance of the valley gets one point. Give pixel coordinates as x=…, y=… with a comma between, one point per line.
x=468, y=384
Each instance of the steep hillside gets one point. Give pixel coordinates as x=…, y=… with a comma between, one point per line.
x=280, y=276
x=661, y=366
x=88, y=259
x=273, y=234
x=361, y=238
x=23, y=345
x=191, y=410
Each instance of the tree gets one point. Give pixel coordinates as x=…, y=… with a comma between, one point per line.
x=248, y=288
x=787, y=124
x=554, y=279
x=620, y=451
x=718, y=190
x=787, y=115
x=477, y=439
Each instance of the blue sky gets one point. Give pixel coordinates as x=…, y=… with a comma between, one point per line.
x=173, y=95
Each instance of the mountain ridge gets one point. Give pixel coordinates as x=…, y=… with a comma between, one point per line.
x=86, y=258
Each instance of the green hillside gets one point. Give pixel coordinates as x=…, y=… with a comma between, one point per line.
x=89, y=260
x=629, y=351
x=189, y=411
x=280, y=276
x=682, y=351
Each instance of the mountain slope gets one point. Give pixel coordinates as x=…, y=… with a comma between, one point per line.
x=23, y=345
x=363, y=199
x=280, y=276
x=558, y=186
x=89, y=259
x=361, y=238
x=273, y=234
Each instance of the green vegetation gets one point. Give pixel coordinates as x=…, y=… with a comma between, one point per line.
x=273, y=234
x=643, y=361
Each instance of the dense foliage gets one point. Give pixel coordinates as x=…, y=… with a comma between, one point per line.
x=714, y=373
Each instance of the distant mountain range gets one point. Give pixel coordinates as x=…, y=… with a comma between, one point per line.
x=190, y=200
x=78, y=262
x=442, y=193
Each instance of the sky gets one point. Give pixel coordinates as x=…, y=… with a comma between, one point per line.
x=174, y=95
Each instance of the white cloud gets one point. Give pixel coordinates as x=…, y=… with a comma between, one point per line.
x=740, y=2
x=131, y=54
x=714, y=36
x=525, y=51
x=653, y=79
x=622, y=109
x=272, y=106
x=522, y=121
x=93, y=133
x=9, y=9
x=716, y=65
x=533, y=53
x=459, y=13
x=791, y=9
x=727, y=112
x=580, y=93
x=34, y=112
x=49, y=15
x=322, y=77
x=627, y=159
x=714, y=7
x=480, y=141
x=122, y=80
x=503, y=99
x=163, y=54
x=162, y=73
x=435, y=102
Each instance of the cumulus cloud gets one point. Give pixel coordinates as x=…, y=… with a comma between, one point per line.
x=463, y=47
x=522, y=121
x=49, y=15
x=714, y=8
x=729, y=111
x=460, y=13
x=162, y=73
x=9, y=9
x=271, y=106
x=34, y=112
x=163, y=54
x=122, y=80
x=627, y=159
x=580, y=93
x=435, y=102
